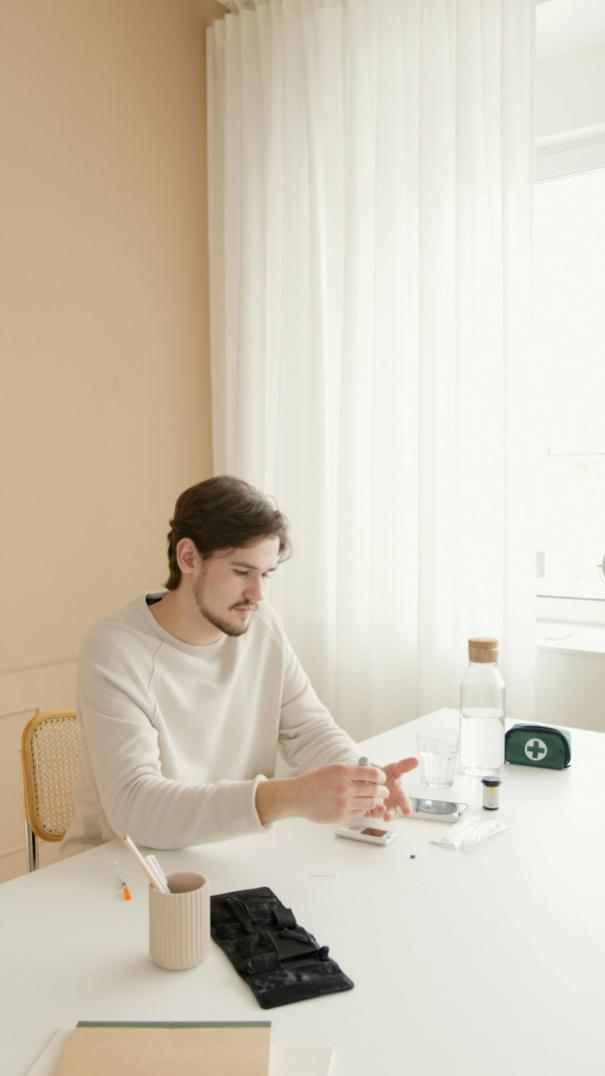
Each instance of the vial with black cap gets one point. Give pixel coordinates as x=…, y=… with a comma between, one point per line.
x=491, y=793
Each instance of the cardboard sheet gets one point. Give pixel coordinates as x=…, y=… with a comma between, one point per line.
x=157, y=1049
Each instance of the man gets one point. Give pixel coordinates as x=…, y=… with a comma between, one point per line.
x=186, y=694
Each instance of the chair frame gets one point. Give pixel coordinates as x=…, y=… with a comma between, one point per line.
x=34, y=829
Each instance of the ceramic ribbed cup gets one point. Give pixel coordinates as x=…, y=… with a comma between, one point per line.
x=179, y=922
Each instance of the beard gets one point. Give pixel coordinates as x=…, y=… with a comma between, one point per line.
x=228, y=627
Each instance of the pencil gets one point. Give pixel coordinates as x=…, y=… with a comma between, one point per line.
x=153, y=878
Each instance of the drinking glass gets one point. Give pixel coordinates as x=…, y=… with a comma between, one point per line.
x=437, y=751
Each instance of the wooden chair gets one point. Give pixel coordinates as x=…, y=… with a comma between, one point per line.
x=50, y=751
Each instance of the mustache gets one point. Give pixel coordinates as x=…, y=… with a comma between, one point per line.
x=244, y=605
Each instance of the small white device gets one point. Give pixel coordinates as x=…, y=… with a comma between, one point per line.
x=366, y=831
x=437, y=810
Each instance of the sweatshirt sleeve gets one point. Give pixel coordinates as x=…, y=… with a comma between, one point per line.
x=121, y=751
x=309, y=737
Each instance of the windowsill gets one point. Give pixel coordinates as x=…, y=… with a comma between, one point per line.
x=570, y=638
x=570, y=612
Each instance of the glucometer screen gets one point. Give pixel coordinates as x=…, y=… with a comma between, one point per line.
x=369, y=832
x=436, y=806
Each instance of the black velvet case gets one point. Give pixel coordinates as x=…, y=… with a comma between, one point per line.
x=280, y=960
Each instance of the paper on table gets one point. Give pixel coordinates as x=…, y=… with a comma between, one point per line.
x=48, y=1061
x=286, y=1060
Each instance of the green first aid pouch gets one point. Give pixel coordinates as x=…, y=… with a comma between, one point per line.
x=538, y=745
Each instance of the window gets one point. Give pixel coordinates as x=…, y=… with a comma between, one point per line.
x=569, y=341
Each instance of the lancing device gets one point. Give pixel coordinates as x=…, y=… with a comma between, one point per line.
x=358, y=829
x=363, y=761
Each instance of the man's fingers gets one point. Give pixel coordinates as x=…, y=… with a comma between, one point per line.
x=369, y=796
x=400, y=800
x=368, y=774
x=403, y=766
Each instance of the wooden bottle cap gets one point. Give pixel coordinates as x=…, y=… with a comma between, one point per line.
x=483, y=649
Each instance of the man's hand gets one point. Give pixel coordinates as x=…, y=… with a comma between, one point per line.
x=329, y=794
x=396, y=796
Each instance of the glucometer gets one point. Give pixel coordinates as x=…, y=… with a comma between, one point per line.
x=437, y=810
x=360, y=830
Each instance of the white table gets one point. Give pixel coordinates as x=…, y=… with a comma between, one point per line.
x=487, y=962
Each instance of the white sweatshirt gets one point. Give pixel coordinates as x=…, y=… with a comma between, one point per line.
x=175, y=738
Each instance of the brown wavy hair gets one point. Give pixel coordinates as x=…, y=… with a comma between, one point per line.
x=223, y=513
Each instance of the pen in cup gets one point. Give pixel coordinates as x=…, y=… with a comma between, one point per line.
x=144, y=865
x=157, y=870
x=127, y=895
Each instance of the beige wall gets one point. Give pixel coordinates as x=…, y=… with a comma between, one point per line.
x=105, y=393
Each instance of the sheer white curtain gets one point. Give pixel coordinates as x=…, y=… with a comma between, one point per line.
x=370, y=170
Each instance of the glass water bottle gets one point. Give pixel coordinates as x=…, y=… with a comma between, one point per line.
x=482, y=711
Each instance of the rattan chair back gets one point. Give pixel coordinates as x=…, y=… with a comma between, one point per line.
x=50, y=751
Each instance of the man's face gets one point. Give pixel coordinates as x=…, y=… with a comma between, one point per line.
x=231, y=583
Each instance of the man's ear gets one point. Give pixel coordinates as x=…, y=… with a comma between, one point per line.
x=187, y=556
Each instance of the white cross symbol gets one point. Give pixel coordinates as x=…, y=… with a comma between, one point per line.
x=536, y=750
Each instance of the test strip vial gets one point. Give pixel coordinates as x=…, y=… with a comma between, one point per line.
x=491, y=793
